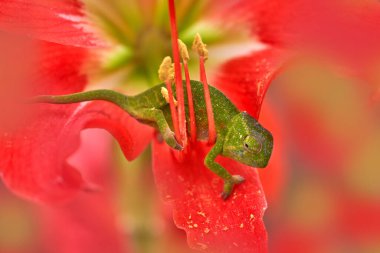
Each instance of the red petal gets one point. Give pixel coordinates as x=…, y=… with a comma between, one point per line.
x=344, y=30
x=297, y=21
x=30, y=67
x=132, y=136
x=246, y=79
x=59, y=21
x=274, y=21
x=211, y=224
x=88, y=224
x=34, y=162
x=59, y=69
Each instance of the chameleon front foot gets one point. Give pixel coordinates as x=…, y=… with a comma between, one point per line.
x=229, y=185
x=169, y=138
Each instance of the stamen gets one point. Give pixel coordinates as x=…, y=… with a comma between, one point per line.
x=164, y=73
x=202, y=51
x=178, y=74
x=185, y=58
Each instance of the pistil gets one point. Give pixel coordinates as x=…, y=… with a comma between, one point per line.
x=185, y=58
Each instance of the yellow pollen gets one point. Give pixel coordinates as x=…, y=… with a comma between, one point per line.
x=171, y=73
x=200, y=47
x=202, y=214
x=165, y=68
x=183, y=50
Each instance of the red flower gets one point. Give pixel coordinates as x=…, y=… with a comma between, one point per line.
x=35, y=163
x=34, y=157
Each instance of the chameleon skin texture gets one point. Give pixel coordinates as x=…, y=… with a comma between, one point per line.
x=224, y=110
x=239, y=136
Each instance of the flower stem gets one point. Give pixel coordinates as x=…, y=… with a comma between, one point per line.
x=210, y=113
x=193, y=128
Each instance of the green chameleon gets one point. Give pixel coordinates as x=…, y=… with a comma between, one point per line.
x=239, y=136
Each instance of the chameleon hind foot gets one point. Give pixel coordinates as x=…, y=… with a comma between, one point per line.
x=229, y=185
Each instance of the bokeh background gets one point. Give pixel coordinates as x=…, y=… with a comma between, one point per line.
x=322, y=184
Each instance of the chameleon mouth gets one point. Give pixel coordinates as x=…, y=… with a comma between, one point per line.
x=267, y=152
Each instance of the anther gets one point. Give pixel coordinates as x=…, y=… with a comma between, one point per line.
x=200, y=47
x=183, y=51
x=163, y=71
x=171, y=73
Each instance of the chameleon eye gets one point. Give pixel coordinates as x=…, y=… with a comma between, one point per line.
x=251, y=144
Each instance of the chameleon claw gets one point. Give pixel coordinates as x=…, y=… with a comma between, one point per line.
x=229, y=185
x=224, y=195
x=178, y=147
x=237, y=179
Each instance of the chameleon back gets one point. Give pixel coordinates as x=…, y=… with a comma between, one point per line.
x=224, y=109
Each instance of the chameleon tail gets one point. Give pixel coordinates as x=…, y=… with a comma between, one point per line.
x=106, y=95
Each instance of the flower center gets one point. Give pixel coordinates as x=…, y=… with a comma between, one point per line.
x=152, y=44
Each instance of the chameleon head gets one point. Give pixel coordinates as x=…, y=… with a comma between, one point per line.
x=247, y=141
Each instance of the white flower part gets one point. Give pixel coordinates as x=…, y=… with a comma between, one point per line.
x=71, y=18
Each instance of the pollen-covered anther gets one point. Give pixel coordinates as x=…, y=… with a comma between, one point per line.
x=183, y=50
x=200, y=47
x=164, y=72
x=165, y=94
x=171, y=73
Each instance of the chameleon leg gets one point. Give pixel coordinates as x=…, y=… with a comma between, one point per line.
x=158, y=117
x=229, y=180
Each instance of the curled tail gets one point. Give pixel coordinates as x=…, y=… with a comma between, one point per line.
x=106, y=95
